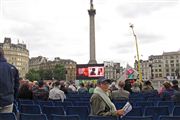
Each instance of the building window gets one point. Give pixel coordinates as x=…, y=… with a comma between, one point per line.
x=160, y=75
x=159, y=65
x=167, y=70
x=160, y=70
x=156, y=75
x=167, y=65
x=172, y=65
x=172, y=70
x=172, y=61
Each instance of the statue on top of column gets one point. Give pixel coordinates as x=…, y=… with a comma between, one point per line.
x=91, y=2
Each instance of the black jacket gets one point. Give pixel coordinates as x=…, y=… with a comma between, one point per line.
x=9, y=83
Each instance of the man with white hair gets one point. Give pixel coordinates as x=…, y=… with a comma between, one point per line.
x=100, y=102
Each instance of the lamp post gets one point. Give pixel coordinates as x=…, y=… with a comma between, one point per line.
x=139, y=66
x=151, y=67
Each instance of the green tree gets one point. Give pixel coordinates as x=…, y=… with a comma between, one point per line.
x=48, y=75
x=59, y=72
x=33, y=75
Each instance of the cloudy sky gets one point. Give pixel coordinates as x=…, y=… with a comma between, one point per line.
x=52, y=28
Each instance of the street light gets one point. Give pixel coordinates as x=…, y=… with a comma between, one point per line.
x=139, y=67
x=151, y=66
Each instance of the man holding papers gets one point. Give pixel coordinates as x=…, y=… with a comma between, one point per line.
x=100, y=102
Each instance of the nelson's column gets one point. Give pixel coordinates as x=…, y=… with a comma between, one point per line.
x=92, y=13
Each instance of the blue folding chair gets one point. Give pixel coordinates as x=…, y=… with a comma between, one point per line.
x=169, y=118
x=155, y=112
x=176, y=111
x=65, y=104
x=64, y=117
x=136, y=111
x=92, y=117
x=82, y=111
x=24, y=116
x=169, y=104
x=8, y=116
x=137, y=118
x=48, y=110
x=47, y=103
x=31, y=109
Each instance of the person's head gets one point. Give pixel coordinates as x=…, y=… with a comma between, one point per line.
x=81, y=84
x=167, y=85
x=40, y=83
x=175, y=83
x=104, y=83
x=1, y=52
x=147, y=83
x=56, y=84
x=121, y=84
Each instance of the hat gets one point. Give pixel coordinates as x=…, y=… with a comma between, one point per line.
x=174, y=82
x=103, y=79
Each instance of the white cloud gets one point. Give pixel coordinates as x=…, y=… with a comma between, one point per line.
x=61, y=28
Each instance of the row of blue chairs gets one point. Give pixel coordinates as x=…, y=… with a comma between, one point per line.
x=70, y=110
x=24, y=116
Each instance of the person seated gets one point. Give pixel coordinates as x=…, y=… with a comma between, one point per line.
x=40, y=92
x=147, y=87
x=55, y=93
x=82, y=88
x=175, y=85
x=120, y=94
x=100, y=102
x=25, y=92
x=168, y=93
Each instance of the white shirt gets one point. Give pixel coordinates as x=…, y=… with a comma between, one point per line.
x=56, y=94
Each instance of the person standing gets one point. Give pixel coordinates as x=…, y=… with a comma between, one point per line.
x=9, y=84
x=100, y=102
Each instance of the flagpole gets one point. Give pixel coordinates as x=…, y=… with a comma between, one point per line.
x=139, y=66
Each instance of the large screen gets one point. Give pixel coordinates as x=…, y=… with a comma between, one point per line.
x=89, y=71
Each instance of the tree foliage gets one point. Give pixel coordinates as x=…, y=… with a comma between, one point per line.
x=58, y=73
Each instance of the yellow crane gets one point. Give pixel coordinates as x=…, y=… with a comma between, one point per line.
x=137, y=51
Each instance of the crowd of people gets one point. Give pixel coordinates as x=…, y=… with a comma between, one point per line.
x=103, y=92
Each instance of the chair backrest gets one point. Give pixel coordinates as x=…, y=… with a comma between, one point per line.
x=176, y=111
x=82, y=111
x=49, y=110
x=156, y=111
x=8, y=116
x=82, y=103
x=24, y=116
x=169, y=104
x=137, y=118
x=136, y=111
x=31, y=109
x=169, y=118
x=47, y=103
x=91, y=117
x=64, y=117
x=21, y=101
x=64, y=104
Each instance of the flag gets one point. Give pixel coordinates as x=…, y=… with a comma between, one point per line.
x=129, y=73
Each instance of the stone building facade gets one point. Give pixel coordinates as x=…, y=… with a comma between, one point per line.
x=16, y=54
x=40, y=62
x=112, y=70
x=165, y=66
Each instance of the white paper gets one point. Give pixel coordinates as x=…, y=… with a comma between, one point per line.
x=127, y=108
